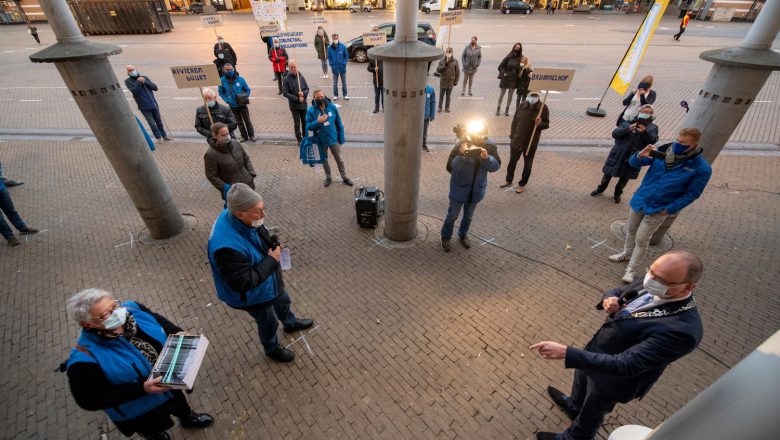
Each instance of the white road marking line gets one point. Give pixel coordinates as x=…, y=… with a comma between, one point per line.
x=185, y=97
x=762, y=101
x=586, y=99
x=31, y=100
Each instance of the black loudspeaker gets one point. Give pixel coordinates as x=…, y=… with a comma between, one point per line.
x=369, y=206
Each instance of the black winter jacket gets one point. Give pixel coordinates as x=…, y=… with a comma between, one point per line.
x=290, y=90
x=220, y=113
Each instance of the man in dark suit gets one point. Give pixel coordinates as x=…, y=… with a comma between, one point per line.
x=651, y=323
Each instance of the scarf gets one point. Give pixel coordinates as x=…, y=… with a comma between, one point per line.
x=673, y=160
x=131, y=329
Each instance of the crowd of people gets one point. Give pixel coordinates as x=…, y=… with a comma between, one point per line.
x=651, y=321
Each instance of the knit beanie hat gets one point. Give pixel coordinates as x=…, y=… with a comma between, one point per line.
x=241, y=197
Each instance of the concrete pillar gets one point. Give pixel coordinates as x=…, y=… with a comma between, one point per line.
x=96, y=90
x=742, y=404
x=405, y=65
x=731, y=87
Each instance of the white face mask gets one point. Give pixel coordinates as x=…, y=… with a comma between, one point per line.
x=320, y=33
x=221, y=41
x=655, y=287
x=258, y=223
x=221, y=56
x=533, y=100
x=116, y=319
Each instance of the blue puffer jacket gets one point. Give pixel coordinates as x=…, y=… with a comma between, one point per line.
x=230, y=232
x=468, y=180
x=430, y=103
x=338, y=58
x=142, y=93
x=229, y=89
x=329, y=132
x=122, y=363
x=671, y=189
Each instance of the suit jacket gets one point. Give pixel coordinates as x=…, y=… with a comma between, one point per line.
x=627, y=355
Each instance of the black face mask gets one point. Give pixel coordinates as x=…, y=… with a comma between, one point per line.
x=644, y=85
x=319, y=101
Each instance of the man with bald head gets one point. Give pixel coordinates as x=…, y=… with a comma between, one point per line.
x=143, y=90
x=219, y=113
x=650, y=324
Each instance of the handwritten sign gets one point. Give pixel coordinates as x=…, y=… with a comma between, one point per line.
x=269, y=30
x=268, y=11
x=195, y=76
x=558, y=80
x=211, y=20
x=289, y=40
x=319, y=19
x=452, y=17
x=374, y=38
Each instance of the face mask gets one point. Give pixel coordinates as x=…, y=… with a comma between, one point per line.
x=320, y=33
x=117, y=318
x=655, y=287
x=230, y=73
x=449, y=55
x=221, y=41
x=258, y=223
x=644, y=116
x=679, y=148
x=225, y=141
x=212, y=104
x=221, y=56
x=134, y=74
x=336, y=42
x=533, y=100
x=644, y=86
x=319, y=101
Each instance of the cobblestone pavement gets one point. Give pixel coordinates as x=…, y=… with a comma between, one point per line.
x=412, y=343
x=594, y=45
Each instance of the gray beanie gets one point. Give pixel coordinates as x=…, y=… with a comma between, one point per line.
x=241, y=197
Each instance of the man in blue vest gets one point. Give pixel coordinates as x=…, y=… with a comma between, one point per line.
x=650, y=324
x=245, y=263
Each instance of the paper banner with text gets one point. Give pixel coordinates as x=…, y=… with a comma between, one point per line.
x=269, y=11
x=319, y=19
x=269, y=30
x=451, y=17
x=292, y=40
x=374, y=38
x=195, y=76
x=628, y=66
x=211, y=20
x=558, y=80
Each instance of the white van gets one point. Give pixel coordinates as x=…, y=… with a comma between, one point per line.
x=435, y=5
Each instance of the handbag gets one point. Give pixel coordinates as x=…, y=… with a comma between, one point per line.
x=311, y=151
x=242, y=99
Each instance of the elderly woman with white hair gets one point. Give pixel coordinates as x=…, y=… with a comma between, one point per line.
x=630, y=137
x=109, y=367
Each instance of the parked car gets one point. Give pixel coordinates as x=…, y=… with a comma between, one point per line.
x=435, y=5
x=359, y=52
x=354, y=7
x=510, y=6
x=196, y=8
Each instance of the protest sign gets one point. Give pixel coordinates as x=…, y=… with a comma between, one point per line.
x=374, y=38
x=558, y=80
x=195, y=76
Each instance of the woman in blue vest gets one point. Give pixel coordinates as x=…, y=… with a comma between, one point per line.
x=109, y=367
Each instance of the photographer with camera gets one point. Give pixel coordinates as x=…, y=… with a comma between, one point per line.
x=246, y=266
x=630, y=137
x=473, y=156
x=676, y=177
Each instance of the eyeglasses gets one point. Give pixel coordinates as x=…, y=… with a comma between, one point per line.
x=103, y=316
x=669, y=285
x=257, y=211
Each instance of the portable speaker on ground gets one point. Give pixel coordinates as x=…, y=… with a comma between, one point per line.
x=369, y=206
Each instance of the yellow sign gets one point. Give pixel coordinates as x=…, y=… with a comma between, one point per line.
x=269, y=30
x=374, y=38
x=558, y=80
x=633, y=57
x=195, y=76
x=452, y=17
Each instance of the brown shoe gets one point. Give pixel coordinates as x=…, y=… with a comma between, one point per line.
x=520, y=189
x=445, y=244
x=505, y=184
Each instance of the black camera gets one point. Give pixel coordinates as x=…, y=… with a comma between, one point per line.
x=474, y=152
x=655, y=154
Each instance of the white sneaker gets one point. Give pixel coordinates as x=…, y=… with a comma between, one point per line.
x=617, y=258
x=628, y=276
x=346, y=97
x=335, y=98
x=324, y=76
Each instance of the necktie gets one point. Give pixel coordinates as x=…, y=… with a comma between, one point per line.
x=641, y=301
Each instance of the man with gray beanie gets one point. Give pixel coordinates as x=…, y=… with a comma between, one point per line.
x=245, y=263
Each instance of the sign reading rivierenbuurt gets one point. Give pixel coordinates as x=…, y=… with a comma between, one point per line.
x=292, y=39
x=558, y=80
x=452, y=17
x=269, y=30
x=374, y=38
x=211, y=20
x=195, y=76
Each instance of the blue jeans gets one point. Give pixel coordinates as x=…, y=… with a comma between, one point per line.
x=155, y=122
x=267, y=316
x=336, y=76
x=324, y=63
x=452, y=214
x=7, y=206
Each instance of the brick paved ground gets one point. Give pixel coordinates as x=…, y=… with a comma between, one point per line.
x=412, y=343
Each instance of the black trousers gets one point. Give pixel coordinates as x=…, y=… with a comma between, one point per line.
x=679, y=34
x=379, y=97
x=278, y=76
x=244, y=124
x=299, y=122
x=593, y=406
x=442, y=93
x=158, y=419
x=622, y=181
x=528, y=162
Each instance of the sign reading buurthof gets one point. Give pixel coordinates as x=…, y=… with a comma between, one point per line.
x=195, y=76
x=558, y=80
